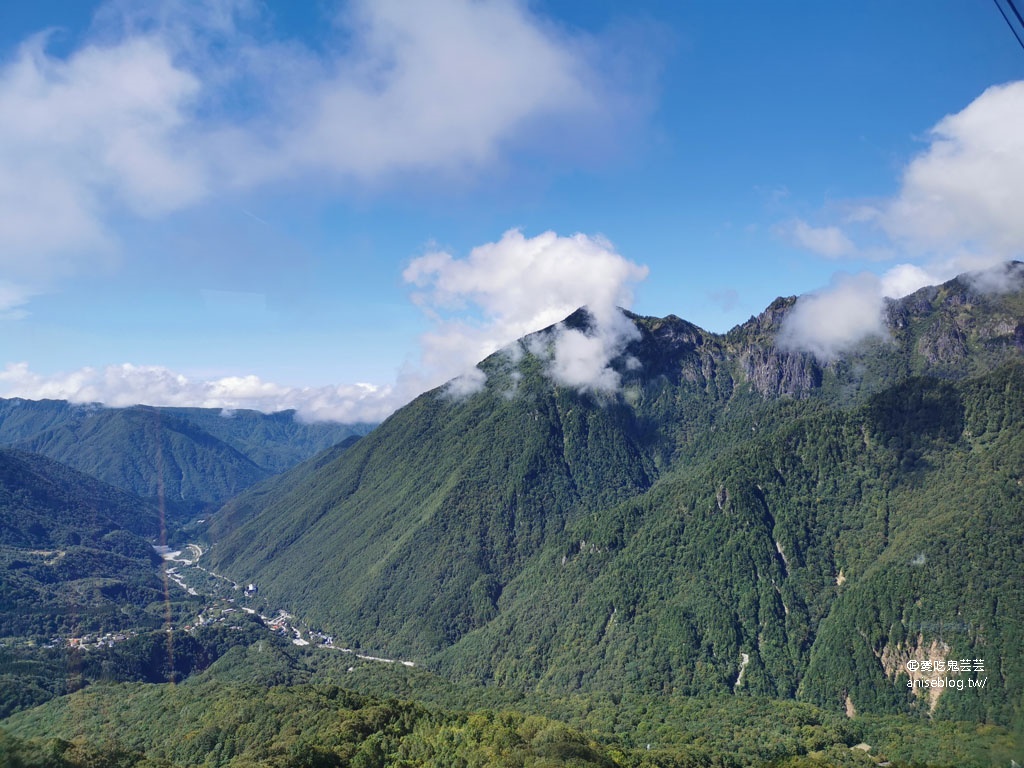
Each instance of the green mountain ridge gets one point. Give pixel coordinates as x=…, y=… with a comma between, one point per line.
x=74, y=551
x=739, y=518
x=194, y=457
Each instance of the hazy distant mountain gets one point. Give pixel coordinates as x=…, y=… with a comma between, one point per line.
x=195, y=456
x=736, y=518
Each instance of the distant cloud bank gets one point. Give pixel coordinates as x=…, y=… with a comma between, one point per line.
x=477, y=305
x=125, y=385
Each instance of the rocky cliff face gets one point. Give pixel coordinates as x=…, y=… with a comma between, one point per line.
x=951, y=330
x=780, y=374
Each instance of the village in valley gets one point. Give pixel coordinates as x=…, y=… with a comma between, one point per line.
x=226, y=599
x=219, y=600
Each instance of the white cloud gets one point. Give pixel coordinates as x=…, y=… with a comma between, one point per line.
x=957, y=211
x=167, y=104
x=904, y=279
x=479, y=304
x=82, y=133
x=466, y=384
x=436, y=85
x=988, y=277
x=829, y=241
x=1002, y=278
x=965, y=189
x=518, y=285
x=13, y=297
x=837, y=318
x=851, y=309
x=582, y=359
x=125, y=385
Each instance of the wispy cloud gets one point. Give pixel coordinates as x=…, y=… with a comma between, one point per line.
x=13, y=298
x=726, y=298
x=830, y=241
x=167, y=104
x=836, y=318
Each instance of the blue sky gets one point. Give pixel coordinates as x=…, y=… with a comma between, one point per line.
x=333, y=206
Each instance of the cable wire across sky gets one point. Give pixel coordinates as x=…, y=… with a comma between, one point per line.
x=1016, y=13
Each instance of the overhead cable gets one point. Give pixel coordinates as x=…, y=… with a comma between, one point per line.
x=1010, y=23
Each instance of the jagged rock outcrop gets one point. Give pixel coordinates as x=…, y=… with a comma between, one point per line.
x=781, y=374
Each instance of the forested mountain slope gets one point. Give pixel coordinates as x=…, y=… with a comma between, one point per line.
x=194, y=456
x=817, y=560
x=72, y=550
x=737, y=518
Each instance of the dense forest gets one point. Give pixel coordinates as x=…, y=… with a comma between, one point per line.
x=270, y=703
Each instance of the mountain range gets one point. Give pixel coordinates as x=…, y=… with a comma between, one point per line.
x=741, y=553
x=737, y=517
x=194, y=458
